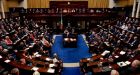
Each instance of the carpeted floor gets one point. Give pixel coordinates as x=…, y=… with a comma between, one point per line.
x=71, y=55
x=71, y=71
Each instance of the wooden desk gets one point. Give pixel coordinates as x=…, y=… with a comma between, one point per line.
x=94, y=65
x=70, y=40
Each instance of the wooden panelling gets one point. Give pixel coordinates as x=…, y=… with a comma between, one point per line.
x=72, y=4
x=8, y=4
x=68, y=0
x=91, y=3
x=38, y=3
x=12, y=3
x=131, y=2
x=44, y=3
x=123, y=3
x=34, y=3
x=98, y=3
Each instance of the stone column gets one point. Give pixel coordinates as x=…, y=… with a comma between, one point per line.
x=138, y=10
x=2, y=9
x=133, y=11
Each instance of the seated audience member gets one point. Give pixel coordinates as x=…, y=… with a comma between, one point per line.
x=15, y=37
x=124, y=26
x=130, y=38
x=5, y=73
x=29, y=40
x=135, y=42
x=14, y=54
x=134, y=29
x=31, y=35
x=1, y=48
x=15, y=71
x=8, y=41
x=66, y=31
x=114, y=72
x=55, y=58
x=138, y=30
x=22, y=61
x=21, y=46
x=20, y=54
x=138, y=48
x=122, y=35
x=46, y=44
x=36, y=73
x=135, y=64
x=4, y=45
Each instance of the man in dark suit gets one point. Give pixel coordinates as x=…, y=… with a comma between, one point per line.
x=134, y=43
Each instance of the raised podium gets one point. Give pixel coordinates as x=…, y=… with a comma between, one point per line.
x=70, y=41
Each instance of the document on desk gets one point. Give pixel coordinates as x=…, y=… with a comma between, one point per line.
x=35, y=53
x=122, y=64
x=88, y=59
x=116, y=56
x=7, y=61
x=51, y=65
x=0, y=56
x=122, y=52
x=48, y=59
x=128, y=62
x=50, y=70
x=105, y=52
x=35, y=68
x=107, y=43
x=38, y=55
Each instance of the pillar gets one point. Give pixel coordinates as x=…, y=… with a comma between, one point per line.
x=138, y=10
x=133, y=11
x=2, y=9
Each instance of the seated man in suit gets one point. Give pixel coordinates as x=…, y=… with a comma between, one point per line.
x=66, y=33
x=135, y=42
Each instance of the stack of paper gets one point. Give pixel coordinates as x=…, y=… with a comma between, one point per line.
x=88, y=59
x=7, y=61
x=27, y=49
x=105, y=52
x=122, y=52
x=48, y=59
x=50, y=70
x=116, y=56
x=110, y=66
x=107, y=43
x=35, y=68
x=0, y=56
x=66, y=39
x=51, y=65
x=35, y=53
x=121, y=64
x=127, y=62
x=38, y=55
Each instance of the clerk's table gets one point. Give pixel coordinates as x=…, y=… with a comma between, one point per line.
x=70, y=41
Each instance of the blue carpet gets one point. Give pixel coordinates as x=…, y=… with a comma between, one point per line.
x=71, y=55
x=71, y=71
